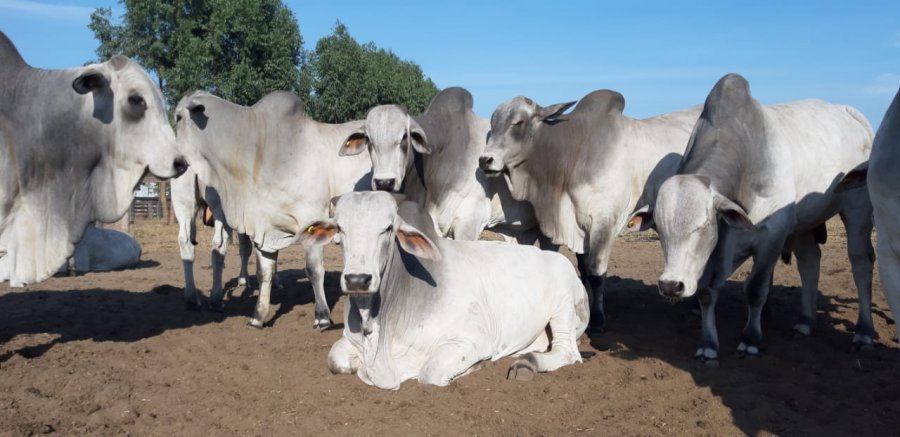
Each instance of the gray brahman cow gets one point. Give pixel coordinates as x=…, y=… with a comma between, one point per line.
x=73, y=145
x=584, y=172
x=187, y=200
x=759, y=182
x=433, y=160
x=883, y=179
x=428, y=308
x=267, y=170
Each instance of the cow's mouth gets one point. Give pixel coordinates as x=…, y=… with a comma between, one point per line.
x=492, y=173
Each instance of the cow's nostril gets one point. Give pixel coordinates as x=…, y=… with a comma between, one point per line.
x=384, y=184
x=181, y=165
x=485, y=161
x=671, y=288
x=358, y=281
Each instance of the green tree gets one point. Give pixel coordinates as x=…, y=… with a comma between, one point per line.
x=237, y=49
x=346, y=78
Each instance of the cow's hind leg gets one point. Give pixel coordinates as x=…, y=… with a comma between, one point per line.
x=563, y=348
x=187, y=240
x=449, y=361
x=857, y=218
x=265, y=262
x=315, y=271
x=219, y=250
x=809, y=256
x=245, y=248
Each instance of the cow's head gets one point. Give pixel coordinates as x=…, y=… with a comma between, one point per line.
x=368, y=225
x=389, y=132
x=686, y=216
x=126, y=98
x=513, y=126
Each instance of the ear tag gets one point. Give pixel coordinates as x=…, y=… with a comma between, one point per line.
x=311, y=230
x=630, y=224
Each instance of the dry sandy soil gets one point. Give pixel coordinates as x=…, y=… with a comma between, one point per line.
x=117, y=353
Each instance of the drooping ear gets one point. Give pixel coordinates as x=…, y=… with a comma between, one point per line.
x=640, y=220
x=91, y=79
x=853, y=180
x=320, y=232
x=553, y=113
x=354, y=144
x=732, y=213
x=417, y=139
x=415, y=242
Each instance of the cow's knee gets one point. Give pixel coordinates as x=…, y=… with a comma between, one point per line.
x=341, y=359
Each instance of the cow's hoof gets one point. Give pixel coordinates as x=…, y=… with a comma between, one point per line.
x=322, y=324
x=217, y=307
x=708, y=356
x=862, y=342
x=520, y=371
x=747, y=351
x=802, y=329
x=258, y=324
x=242, y=282
x=596, y=329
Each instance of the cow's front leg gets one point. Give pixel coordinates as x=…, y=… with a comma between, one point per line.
x=757, y=288
x=187, y=240
x=265, y=265
x=596, y=264
x=809, y=256
x=343, y=358
x=315, y=271
x=219, y=250
x=708, y=349
x=245, y=248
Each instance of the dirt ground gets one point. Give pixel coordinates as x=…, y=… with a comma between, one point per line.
x=117, y=353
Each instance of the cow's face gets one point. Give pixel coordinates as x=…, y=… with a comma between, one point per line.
x=687, y=217
x=368, y=225
x=513, y=127
x=389, y=133
x=126, y=99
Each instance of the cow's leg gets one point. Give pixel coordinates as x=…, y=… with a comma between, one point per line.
x=219, y=250
x=449, y=361
x=757, y=289
x=315, y=271
x=563, y=350
x=708, y=349
x=343, y=358
x=857, y=219
x=597, y=263
x=467, y=230
x=809, y=255
x=889, y=268
x=265, y=265
x=245, y=247
x=187, y=240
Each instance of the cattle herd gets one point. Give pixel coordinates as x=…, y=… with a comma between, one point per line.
x=407, y=198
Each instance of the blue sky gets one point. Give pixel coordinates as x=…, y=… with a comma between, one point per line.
x=662, y=55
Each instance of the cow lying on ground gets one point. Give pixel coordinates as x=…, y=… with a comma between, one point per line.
x=584, y=172
x=73, y=144
x=104, y=250
x=433, y=160
x=267, y=170
x=429, y=308
x=883, y=181
x=759, y=181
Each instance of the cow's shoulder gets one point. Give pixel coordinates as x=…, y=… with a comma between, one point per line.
x=281, y=103
x=600, y=102
x=9, y=55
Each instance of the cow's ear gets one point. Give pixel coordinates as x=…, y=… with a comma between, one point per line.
x=320, y=232
x=853, y=180
x=415, y=242
x=417, y=138
x=354, y=144
x=732, y=213
x=91, y=79
x=553, y=113
x=640, y=220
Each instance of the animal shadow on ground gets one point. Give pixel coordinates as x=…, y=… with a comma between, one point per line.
x=124, y=316
x=812, y=385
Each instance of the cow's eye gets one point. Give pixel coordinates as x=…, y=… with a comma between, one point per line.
x=137, y=102
x=518, y=123
x=389, y=228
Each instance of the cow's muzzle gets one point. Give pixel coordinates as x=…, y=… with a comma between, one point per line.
x=357, y=282
x=384, y=184
x=671, y=288
x=180, y=165
x=490, y=166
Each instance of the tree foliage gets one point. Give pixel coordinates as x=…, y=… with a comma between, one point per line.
x=346, y=78
x=237, y=49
